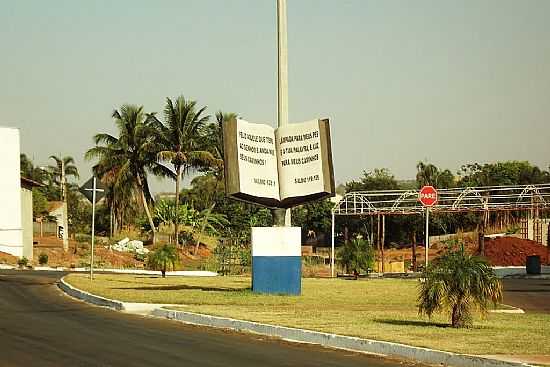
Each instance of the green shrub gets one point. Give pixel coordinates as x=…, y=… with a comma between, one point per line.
x=512, y=229
x=163, y=258
x=43, y=259
x=458, y=282
x=83, y=238
x=357, y=255
x=140, y=257
x=22, y=262
x=313, y=260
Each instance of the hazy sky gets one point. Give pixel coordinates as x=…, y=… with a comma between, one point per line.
x=402, y=81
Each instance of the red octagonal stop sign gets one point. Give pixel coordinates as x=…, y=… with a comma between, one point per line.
x=427, y=196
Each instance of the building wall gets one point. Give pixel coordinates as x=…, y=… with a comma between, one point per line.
x=58, y=214
x=26, y=221
x=11, y=233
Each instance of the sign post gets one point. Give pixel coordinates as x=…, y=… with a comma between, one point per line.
x=428, y=197
x=94, y=193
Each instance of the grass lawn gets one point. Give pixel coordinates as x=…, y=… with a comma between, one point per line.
x=382, y=309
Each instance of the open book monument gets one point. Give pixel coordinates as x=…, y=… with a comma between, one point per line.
x=278, y=168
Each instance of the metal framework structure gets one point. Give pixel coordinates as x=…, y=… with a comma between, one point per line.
x=486, y=198
x=465, y=199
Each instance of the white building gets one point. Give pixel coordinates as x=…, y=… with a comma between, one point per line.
x=11, y=228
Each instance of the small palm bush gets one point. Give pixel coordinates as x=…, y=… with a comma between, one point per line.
x=22, y=262
x=163, y=258
x=43, y=259
x=458, y=283
x=357, y=255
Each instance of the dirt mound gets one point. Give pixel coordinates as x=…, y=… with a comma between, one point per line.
x=512, y=251
x=7, y=259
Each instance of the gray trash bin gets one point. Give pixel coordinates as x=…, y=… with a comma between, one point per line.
x=532, y=265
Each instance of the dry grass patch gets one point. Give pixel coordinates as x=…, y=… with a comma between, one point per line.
x=382, y=309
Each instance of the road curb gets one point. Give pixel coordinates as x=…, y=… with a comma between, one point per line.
x=90, y=298
x=396, y=350
x=423, y=355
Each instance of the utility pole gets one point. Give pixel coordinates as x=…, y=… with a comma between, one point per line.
x=94, y=190
x=65, y=209
x=281, y=217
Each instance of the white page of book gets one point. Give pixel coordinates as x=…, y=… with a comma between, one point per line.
x=257, y=160
x=300, y=165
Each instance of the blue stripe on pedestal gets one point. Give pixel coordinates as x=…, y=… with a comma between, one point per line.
x=277, y=274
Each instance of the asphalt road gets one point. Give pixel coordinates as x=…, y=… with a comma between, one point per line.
x=40, y=326
x=531, y=295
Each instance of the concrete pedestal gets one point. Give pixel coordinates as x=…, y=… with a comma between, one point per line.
x=276, y=260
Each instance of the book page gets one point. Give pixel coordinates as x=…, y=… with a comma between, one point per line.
x=257, y=160
x=300, y=159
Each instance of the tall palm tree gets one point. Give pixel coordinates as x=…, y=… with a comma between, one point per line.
x=213, y=142
x=215, y=139
x=180, y=140
x=129, y=156
x=63, y=168
x=209, y=221
x=458, y=281
x=35, y=173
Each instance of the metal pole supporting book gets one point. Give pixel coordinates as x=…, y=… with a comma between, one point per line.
x=282, y=217
x=276, y=251
x=278, y=169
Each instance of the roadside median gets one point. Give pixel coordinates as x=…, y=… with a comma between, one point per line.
x=377, y=318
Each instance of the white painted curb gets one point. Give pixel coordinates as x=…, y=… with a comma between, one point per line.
x=90, y=298
x=423, y=355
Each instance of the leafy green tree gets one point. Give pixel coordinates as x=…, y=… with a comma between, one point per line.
x=357, y=255
x=39, y=203
x=429, y=174
x=206, y=190
x=79, y=213
x=457, y=282
x=314, y=217
x=130, y=156
x=179, y=140
x=163, y=258
x=379, y=179
x=502, y=173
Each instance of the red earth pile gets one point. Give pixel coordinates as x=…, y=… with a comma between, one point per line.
x=6, y=258
x=512, y=251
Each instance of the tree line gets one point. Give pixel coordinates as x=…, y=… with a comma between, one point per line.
x=185, y=140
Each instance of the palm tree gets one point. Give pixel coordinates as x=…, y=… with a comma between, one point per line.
x=208, y=221
x=357, y=255
x=29, y=170
x=214, y=140
x=63, y=168
x=458, y=281
x=179, y=141
x=128, y=157
x=162, y=258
